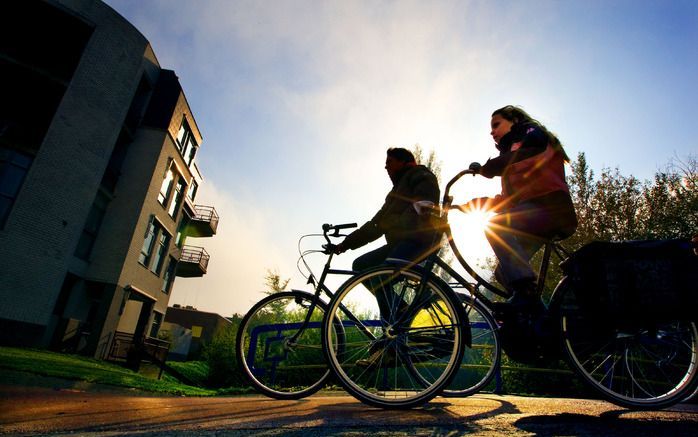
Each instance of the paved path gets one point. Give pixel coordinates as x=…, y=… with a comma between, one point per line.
x=42, y=411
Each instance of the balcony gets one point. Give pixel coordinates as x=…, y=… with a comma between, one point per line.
x=203, y=223
x=193, y=262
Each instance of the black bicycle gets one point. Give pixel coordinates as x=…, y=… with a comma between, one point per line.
x=634, y=359
x=392, y=355
x=278, y=343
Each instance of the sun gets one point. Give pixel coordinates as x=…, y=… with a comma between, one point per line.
x=469, y=230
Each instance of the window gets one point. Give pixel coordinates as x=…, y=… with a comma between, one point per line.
x=157, y=322
x=166, y=188
x=186, y=143
x=182, y=134
x=172, y=180
x=147, y=249
x=178, y=196
x=163, y=241
x=92, y=225
x=193, y=188
x=13, y=168
x=155, y=245
x=196, y=331
x=189, y=150
x=179, y=238
x=169, y=277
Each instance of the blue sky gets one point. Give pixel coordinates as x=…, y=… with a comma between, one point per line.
x=298, y=100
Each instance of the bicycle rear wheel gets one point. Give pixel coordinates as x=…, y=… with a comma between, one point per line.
x=402, y=342
x=277, y=359
x=644, y=365
x=482, y=359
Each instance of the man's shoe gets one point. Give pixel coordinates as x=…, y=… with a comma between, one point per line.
x=430, y=347
x=379, y=359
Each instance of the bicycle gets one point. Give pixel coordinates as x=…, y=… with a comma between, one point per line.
x=278, y=342
x=279, y=349
x=644, y=364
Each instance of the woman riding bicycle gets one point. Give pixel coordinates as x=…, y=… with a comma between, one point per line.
x=535, y=203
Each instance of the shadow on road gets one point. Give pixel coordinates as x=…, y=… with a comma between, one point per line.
x=33, y=411
x=610, y=423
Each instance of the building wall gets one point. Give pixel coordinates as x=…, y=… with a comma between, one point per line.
x=199, y=326
x=49, y=213
x=44, y=287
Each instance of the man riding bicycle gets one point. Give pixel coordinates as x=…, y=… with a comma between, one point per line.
x=403, y=219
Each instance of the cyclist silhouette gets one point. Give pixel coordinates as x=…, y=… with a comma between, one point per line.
x=534, y=204
x=403, y=219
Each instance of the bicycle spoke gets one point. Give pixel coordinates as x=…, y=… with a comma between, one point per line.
x=649, y=366
x=416, y=338
x=275, y=365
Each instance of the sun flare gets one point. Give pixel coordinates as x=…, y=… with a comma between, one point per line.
x=469, y=232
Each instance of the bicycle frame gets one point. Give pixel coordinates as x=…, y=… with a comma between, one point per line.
x=320, y=286
x=550, y=246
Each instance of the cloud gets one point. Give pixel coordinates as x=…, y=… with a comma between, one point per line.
x=298, y=100
x=241, y=252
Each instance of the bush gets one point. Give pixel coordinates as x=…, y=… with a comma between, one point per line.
x=220, y=358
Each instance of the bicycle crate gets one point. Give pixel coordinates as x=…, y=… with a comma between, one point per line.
x=636, y=280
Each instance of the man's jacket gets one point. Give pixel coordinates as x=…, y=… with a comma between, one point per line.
x=398, y=219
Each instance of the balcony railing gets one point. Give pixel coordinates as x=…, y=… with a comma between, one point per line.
x=204, y=223
x=193, y=262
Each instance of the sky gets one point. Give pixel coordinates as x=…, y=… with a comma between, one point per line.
x=298, y=100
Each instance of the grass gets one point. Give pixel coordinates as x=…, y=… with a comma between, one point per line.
x=80, y=368
x=196, y=371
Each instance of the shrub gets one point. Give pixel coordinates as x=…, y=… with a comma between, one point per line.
x=221, y=360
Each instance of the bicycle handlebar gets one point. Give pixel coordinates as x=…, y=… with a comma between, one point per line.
x=336, y=228
x=448, y=199
x=326, y=228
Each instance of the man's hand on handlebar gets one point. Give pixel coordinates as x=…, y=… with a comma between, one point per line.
x=336, y=249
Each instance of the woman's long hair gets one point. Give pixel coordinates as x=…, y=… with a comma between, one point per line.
x=516, y=115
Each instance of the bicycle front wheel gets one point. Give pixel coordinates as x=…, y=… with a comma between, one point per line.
x=281, y=357
x=403, y=340
x=642, y=365
x=481, y=360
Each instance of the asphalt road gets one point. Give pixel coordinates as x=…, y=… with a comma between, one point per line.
x=44, y=411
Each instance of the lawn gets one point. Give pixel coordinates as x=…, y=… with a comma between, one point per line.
x=79, y=368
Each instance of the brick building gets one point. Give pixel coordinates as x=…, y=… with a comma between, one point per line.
x=190, y=330
x=98, y=180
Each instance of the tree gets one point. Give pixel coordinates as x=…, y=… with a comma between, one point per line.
x=274, y=283
x=429, y=162
x=670, y=203
x=617, y=207
x=433, y=164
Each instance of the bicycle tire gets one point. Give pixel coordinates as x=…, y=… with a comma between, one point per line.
x=401, y=331
x=482, y=359
x=642, y=365
x=272, y=366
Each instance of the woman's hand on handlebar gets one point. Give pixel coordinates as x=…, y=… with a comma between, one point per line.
x=474, y=168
